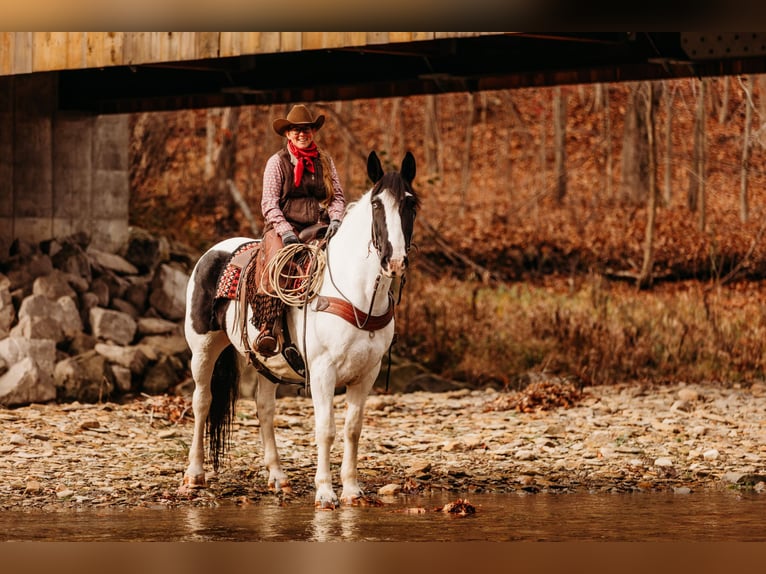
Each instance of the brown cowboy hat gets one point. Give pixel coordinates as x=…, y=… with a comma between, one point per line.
x=298, y=116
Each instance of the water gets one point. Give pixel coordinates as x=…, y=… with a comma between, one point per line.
x=643, y=517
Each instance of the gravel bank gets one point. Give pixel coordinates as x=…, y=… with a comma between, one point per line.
x=619, y=438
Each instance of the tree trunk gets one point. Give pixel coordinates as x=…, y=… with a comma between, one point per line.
x=635, y=154
x=433, y=167
x=645, y=277
x=608, y=143
x=559, y=142
x=667, y=188
x=696, y=196
x=744, y=208
x=466, y=172
x=723, y=110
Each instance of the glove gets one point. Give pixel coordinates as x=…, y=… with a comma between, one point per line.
x=289, y=238
x=332, y=228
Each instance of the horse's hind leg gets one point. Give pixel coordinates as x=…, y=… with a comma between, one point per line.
x=205, y=351
x=356, y=396
x=265, y=400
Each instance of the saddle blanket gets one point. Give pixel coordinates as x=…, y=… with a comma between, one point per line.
x=228, y=282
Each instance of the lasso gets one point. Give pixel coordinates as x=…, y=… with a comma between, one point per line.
x=293, y=280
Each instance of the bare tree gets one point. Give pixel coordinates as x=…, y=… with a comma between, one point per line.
x=645, y=276
x=559, y=142
x=608, y=142
x=432, y=143
x=635, y=154
x=466, y=172
x=668, y=97
x=723, y=105
x=696, y=195
x=744, y=208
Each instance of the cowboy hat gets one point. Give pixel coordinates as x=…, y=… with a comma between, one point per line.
x=298, y=116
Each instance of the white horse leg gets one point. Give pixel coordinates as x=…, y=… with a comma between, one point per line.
x=204, y=356
x=265, y=399
x=356, y=396
x=324, y=429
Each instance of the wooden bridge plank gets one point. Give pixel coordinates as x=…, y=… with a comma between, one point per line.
x=290, y=41
x=76, y=47
x=22, y=53
x=6, y=52
x=48, y=51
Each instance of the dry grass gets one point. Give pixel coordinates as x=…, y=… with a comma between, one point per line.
x=592, y=332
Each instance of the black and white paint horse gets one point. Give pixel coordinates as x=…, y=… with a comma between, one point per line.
x=343, y=335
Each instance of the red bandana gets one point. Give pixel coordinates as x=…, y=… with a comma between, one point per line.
x=304, y=157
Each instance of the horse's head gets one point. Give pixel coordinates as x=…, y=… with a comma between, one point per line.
x=394, y=206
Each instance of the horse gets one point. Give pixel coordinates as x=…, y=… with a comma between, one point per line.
x=342, y=334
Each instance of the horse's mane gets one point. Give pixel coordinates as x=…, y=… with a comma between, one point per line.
x=398, y=186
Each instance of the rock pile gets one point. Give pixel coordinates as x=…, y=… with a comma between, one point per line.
x=77, y=323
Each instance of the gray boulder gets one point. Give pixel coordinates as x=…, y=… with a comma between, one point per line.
x=168, y=292
x=110, y=325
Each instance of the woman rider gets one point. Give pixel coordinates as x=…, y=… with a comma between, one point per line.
x=300, y=188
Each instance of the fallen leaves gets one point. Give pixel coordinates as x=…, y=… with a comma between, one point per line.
x=539, y=396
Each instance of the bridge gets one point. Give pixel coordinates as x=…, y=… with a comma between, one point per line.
x=65, y=96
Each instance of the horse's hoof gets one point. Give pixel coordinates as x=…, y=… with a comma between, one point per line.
x=325, y=505
x=283, y=488
x=191, y=483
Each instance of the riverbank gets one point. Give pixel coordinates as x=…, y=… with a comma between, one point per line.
x=615, y=438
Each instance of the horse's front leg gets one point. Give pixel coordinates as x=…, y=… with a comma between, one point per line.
x=356, y=396
x=324, y=429
x=265, y=400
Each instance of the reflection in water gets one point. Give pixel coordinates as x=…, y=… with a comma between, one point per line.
x=714, y=516
x=339, y=524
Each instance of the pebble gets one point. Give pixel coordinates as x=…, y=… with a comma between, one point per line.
x=615, y=440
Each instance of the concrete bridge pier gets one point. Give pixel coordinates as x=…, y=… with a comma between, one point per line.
x=60, y=172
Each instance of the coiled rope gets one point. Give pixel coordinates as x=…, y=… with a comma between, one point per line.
x=295, y=273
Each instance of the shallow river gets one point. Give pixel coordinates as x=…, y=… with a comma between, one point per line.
x=706, y=516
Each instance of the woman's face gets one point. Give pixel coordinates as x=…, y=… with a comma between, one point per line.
x=300, y=136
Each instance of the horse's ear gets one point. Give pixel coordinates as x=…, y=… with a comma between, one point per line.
x=374, y=169
x=408, y=167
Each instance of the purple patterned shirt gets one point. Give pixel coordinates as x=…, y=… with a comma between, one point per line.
x=272, y=191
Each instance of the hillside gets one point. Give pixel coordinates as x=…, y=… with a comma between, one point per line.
x=509, y=283
x=485, y=173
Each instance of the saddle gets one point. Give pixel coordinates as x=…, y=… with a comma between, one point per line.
x=242, y=282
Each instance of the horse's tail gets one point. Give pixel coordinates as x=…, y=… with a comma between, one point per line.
x=224, y=385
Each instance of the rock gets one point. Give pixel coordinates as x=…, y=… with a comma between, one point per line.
x=123, y=378
x=160, y=377
x=525, y=454
x=111, y=261
x=390, y=490
x=156, y=326
x=41, y=318
x=663, y=461
x=711, y=454
x=83, y=378
x=41, y=351
x=25, y=383
x=145, y=250
x=53, y=286
x=7, y=310
x=165, y=345
x=688, y=395
x=110, y=325
x=168, y=292
x=130, y=357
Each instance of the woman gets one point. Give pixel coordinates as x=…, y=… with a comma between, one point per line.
x=300, y=189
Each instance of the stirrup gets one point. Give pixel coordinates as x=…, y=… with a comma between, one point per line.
x=266, y=344
x=293, y=357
